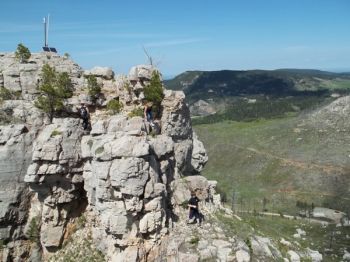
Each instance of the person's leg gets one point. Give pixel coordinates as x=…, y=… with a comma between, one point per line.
x=191, y=215
x=85, y=123
x=197, y=216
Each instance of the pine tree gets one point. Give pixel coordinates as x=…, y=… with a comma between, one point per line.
x=154, y=91
x=54, y=88
x=94, y=88
x=114, y=106
x=22, y=53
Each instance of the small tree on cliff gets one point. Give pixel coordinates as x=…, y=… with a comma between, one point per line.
x=94, y=88
x=54, y=88
x=154, y=91
x=22, y=53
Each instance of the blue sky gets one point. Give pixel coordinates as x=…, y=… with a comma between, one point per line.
x=186, y=35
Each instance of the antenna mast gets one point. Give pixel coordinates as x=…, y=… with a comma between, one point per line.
x=46, y=47
x=46, y=30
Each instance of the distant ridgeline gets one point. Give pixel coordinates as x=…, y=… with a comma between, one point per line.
x=248, y=95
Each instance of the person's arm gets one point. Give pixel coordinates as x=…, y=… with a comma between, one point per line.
x=190, y=204
x=145, y=112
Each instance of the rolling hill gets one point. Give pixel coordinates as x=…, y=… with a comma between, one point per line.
x=218, y=84
x=277, y=135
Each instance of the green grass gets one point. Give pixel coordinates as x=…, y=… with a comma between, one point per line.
x=277, y=159
x=137, y=111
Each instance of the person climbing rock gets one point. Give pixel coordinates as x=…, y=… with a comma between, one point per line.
x=85, y=115
x=148, y=114
x=194, y=214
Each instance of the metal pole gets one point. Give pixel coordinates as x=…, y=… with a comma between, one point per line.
x=47, y=28
x=45, y=42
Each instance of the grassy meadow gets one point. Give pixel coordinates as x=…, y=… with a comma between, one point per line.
x=280, y=160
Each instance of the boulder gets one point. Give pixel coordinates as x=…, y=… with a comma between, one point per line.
x=51, y=236
x=242, y=256
x=293, y=256
x=176, y=120
x=199, y=155
x=104, y=72
x=150, y=222
x=314, y=255
x=129, y=175
x=161, y=145
x=141, y=72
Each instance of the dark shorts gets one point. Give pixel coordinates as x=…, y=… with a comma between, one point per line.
x=194, y=213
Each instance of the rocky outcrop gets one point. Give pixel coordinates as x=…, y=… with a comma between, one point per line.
x=24, y=77
x=332, y=116
x=56, y=176
x=141, y=72
x=15, y=157
x=128, y=179
x=118, y=176
x=104, y=72
x=202, y=108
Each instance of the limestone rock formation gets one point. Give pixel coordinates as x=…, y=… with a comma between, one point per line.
x=24, y=77
x=15, y=157
x=117, y=176
x=115, y=192
x=104, y=72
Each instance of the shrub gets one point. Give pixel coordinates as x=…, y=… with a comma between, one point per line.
x=184, y=204
x=54, y=88
x=34, y=231
x=127, y=87
x=194, y=240
x=137, y=111
x=114, y=106
x=249, y=244
x=281, y=214
x=56, y=133
x=22, y=53
x=6, y=94
x=94, y=88
x=154, y=91
x=65, y=85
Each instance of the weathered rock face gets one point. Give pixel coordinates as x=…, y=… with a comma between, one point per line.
x=122, y=178
x=15, y=156
x=141, y=72
x=56, y=176
x=129, y=176
x=104, y=72
x=24, y=77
